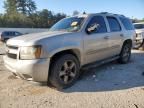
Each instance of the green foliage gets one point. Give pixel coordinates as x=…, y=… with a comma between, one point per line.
x=23, y=14
x=15, y=20
x=137, y=20
x=10, y=6
x=22, y=6
x=45, y=18
x=26, y=6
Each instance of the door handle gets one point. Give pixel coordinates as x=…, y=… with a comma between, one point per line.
x=106, y=37
x=122, y=35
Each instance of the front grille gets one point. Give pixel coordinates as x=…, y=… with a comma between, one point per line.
x=13, y=56
x=11, y=51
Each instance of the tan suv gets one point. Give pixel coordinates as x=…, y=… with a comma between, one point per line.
x=73, y=43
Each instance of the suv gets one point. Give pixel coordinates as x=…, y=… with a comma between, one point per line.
x=73, y=43
x=9, y=34
x=139, y=34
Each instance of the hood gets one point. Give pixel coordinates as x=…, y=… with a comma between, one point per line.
x=139, y=30
x=31, y=38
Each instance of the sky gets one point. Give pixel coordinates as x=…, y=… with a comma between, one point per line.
x=129, y=8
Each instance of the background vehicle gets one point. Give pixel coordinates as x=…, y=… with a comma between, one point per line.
x=73, y=43
x=139, y=27
x=9, y=34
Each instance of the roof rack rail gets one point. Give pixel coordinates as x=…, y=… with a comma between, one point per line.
x=123, y=16
x=116, y=14
x=111, y=14
x=104, y=12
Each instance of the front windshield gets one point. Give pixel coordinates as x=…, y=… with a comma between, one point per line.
x=139, y=26
x=68, y=24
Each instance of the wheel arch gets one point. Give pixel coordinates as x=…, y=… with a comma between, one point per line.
x=57, y=54
x=74, y=51
x=128, y=41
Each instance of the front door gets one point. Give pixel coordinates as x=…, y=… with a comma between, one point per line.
x=96, y=40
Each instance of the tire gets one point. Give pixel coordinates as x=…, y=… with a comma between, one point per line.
x=64, y=71
x=125, y=54
x=5, y=40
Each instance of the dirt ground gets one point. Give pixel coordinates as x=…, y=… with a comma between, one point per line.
x=109, y=86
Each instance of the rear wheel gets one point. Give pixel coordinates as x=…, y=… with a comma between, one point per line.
x=64, y=71
x=125, y=54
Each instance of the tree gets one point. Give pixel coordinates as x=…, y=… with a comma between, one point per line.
x=1, y=20
x=10, y=6
x=21, y=6
x=26, y=7
x=75, y=13
x=22, y=13
x=59, y=16
x=84, y=12
x=46, y=18
x=31, y=5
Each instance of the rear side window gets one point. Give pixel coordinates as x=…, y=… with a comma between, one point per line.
x=99, y=21
x=114, y=24
x=127, y=23
x=10, y=33
x=17, y=34
x=6, y=33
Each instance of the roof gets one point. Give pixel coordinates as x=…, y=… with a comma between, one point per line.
x=101, y=13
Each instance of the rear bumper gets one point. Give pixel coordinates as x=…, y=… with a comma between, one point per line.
x=37, y=70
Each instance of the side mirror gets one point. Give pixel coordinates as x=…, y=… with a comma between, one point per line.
x=92, y=28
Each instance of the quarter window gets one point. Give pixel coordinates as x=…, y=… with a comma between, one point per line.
x=114, y=24
x=16, y=33
x=100, y=23
x=127, y=23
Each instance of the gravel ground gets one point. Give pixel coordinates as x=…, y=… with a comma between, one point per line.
x=109, y=86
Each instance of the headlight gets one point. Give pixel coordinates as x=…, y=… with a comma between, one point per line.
x=32, y=52
x=143, y=34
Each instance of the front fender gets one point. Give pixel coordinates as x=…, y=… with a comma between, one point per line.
x=71, y=42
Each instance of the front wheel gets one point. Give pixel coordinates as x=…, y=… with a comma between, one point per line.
x=64, y=71
x=125, y=54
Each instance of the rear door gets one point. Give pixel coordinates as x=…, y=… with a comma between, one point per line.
x=129, y=30
x=115, y=35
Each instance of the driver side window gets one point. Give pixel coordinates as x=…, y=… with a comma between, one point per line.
x=98, y=23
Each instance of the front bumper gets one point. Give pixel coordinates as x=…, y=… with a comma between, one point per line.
x=26, y=69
